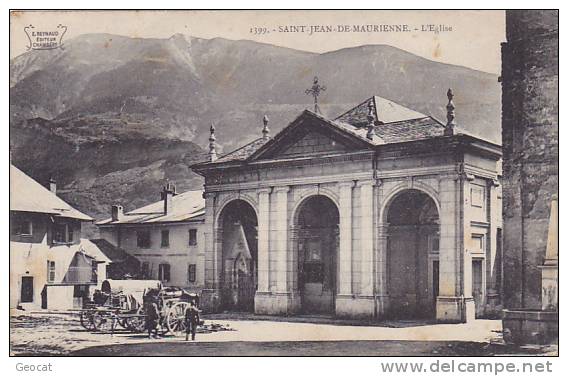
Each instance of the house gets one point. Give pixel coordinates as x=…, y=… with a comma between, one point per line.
x=166, y=237
x=51, y=266
x=380, y=212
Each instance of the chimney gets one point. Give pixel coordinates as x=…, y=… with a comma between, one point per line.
x=116, y=212
x=52, y=185
x=168, y=194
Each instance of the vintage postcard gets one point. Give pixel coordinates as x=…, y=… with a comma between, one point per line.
x=284, y=183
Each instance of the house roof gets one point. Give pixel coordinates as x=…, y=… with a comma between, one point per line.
x=27, y=195
x=187, y=206
x=93, y=249
x=113, y=253
x=394, y=124
x=243, y=152
x=383, y=110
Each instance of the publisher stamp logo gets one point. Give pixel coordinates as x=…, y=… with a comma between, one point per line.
x=45, y=39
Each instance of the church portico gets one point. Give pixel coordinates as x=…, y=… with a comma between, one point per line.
x=356, y=223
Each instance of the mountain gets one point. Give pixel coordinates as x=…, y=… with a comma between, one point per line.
x=114, y=116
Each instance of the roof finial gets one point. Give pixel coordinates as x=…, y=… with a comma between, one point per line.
x=371, y=121
x=315, y=92
x=212, y=144
x=265, y=129
x=450, y=115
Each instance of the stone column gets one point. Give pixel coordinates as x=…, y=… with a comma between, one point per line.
x=363, y=304
x=344, y=298
x=451, y=304
x=345, y=237
x=366, y=197
x=382, y=269
x=262, y=298
x=281, y=238
x=210, y=295
x=263, y=240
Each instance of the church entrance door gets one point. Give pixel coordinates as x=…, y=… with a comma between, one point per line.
x=318, y=222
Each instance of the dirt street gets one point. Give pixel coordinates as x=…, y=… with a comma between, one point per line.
x=53, y=334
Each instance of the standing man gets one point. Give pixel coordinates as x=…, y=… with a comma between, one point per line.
x=191, y=320
x=152, y=316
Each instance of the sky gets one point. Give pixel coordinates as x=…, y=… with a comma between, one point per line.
x=469, y=38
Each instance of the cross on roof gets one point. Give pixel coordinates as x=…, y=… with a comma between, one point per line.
x=315, y=91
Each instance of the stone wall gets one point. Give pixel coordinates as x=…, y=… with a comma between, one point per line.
x=530, y=149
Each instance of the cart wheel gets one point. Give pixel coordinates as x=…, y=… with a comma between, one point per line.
x=87, y=320
x=102, y=321
x=175, y=318
x=137, y=324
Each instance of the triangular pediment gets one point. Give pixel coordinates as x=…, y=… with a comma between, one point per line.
x=313, y=142
x=309, y=135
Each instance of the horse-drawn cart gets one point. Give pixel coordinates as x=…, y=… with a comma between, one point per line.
x=121, y=303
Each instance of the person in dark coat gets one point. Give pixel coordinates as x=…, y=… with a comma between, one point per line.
x=191, y=321
x=152, y=317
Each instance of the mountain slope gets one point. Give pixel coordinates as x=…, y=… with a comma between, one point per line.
x=108, y=110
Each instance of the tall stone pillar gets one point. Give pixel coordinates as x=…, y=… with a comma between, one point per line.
x=345, y=294
x=210, y=298
x=451, y=304
x=281, y=238
x=263, y=240
x=262, y=298
x=382, y=294
x=282, y=300
x=367, y=235
x=345, y=238
x=363, y=305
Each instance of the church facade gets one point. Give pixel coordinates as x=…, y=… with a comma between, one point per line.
x=382, y=212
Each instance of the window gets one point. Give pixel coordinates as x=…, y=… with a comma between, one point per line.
x=22, y=227
x=165, y=238
x=434, y=244
x=143, y=239
x=477, y=195
x=63, y=233
x=477, y=243
x=145, y=270
x=192, y=273
x=50, y=271
x=192, y=236
x=164, y=272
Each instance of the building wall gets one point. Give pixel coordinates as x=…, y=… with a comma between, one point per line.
x=178, y=255
x=361, y=188
x=29, y=256
x=530, y=149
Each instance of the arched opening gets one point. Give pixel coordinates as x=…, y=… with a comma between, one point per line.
x=413, y=255
x=238, y=226
x=318, y=238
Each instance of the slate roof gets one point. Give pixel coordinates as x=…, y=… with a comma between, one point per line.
x=27, y=195
x=395, y=124
x=384, y=111
x=187, y=206
x=243, y=152
x=113, y=253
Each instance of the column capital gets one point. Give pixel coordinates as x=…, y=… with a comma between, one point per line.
x=262, y=191
x=366, y=183
x=346, y=184
x=207, y=195
x=281, y=189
